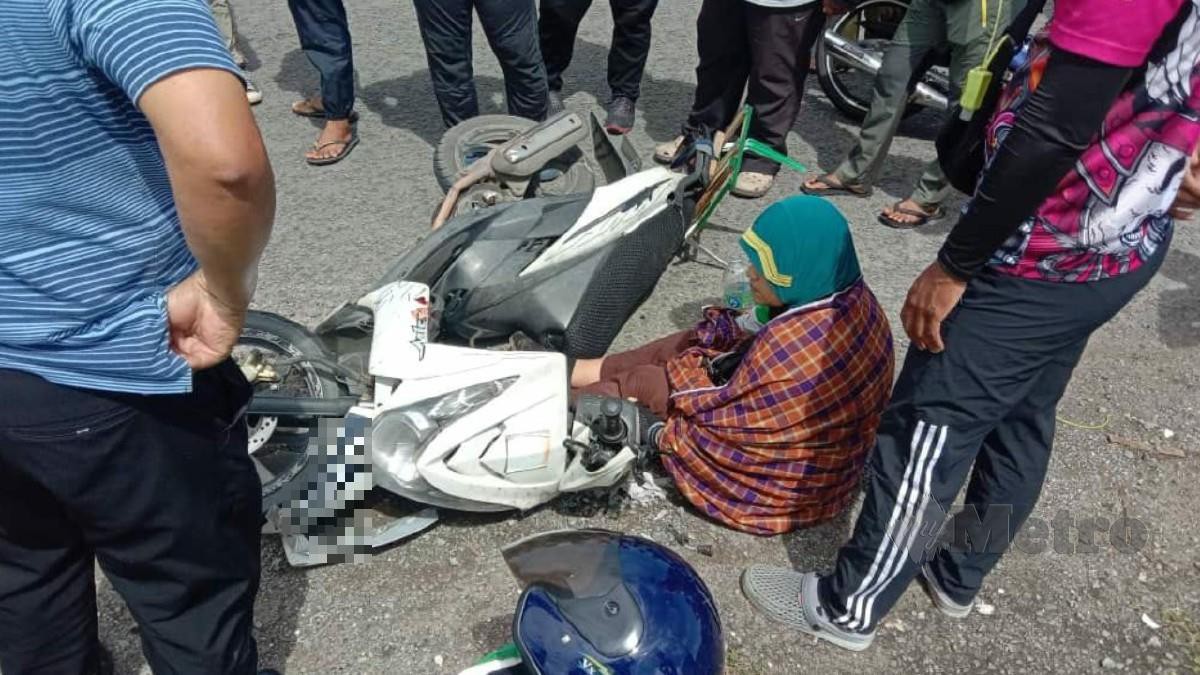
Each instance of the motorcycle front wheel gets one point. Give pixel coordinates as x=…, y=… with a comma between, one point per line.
x=871, y=25
x=272, y=353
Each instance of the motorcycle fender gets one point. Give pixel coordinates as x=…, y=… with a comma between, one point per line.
x=401, y=335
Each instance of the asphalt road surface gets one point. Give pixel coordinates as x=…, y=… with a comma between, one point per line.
x=434, y=604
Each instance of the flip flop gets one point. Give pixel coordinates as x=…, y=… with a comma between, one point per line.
x=314, y=112
x=922, y=217
x=326, y=161
x=831, y=190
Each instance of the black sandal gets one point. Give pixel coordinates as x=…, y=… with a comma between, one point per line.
x=922, y=216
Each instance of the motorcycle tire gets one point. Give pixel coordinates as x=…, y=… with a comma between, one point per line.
x=879, y=19
x=471, y=139
x=283, y=461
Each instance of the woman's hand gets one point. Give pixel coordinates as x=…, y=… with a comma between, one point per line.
x=930, y=300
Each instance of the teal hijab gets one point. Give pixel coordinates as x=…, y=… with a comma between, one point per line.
x=802, y=246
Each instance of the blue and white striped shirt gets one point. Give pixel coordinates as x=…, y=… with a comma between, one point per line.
x=89, y=236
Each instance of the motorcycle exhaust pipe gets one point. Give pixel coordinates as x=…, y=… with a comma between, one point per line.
x=853, y=55
x=290, y=406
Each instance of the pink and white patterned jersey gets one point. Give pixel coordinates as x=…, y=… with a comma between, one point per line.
x=1111, y=211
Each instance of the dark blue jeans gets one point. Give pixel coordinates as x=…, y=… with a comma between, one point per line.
x=511, y=29
x=160, y=491
x=325, y=38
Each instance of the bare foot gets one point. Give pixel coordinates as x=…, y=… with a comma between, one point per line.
x=332, y=141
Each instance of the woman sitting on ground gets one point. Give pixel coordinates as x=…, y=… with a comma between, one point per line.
x=778, y=440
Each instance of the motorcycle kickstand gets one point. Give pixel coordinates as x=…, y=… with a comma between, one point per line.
x=692, y=249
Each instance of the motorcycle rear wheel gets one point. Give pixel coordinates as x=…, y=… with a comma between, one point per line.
x=469, y=140
x=871, y=24
x=278, y=447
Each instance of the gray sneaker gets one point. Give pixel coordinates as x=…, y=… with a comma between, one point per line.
x=620, y=115
x=790, y=598
x=940, y=599
x=554, y=103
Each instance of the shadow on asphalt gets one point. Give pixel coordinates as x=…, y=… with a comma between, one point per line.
x=1179, y=308
x=815, y=548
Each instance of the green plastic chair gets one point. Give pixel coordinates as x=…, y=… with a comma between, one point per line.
x=730, y=167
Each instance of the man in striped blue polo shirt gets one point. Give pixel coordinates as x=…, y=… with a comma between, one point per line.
x=135, y=201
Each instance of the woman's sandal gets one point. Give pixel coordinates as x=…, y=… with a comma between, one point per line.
x=921, y=216
x=326, y=161
x=831, y=188
x=307, y=107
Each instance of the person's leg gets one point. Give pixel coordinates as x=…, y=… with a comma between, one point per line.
x=999, y=345
x=511, y=29
x=920, y=32
x=723, y=66
x=646, y=384
x=969, y=35
x=657, y=353
x=223, y=15
x=183, y=549
x=780, y=43
x=630, y=46
x=446, y=31
x=161, y=488
x=47, y=589
x=558, y=24
x=324, y=33
x=1005, y=483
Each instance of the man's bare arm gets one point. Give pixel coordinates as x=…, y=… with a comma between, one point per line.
x=220, y=175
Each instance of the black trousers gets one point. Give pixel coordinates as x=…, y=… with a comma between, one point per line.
x=558, y=25
x=988, y=400
x=761, y=51
x=324, y=35
x=160, y=491
x=511, y=30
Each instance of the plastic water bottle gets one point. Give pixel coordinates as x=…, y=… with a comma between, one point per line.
x=737, y=293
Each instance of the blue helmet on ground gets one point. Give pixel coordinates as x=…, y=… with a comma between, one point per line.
x=603, y=603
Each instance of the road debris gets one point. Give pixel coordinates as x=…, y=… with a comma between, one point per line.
x=1150, y=623
x=1168, y=434
x=684, y=539
x=1131, y=443
x=986, y=609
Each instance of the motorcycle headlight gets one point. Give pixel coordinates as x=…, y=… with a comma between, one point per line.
x=399, y=435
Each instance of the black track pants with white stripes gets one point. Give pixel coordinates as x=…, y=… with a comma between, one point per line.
x=989, y=401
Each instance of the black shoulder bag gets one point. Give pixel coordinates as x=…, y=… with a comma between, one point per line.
x=960, y=144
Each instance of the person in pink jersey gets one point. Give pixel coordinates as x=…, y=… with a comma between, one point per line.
x=1091, y=142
